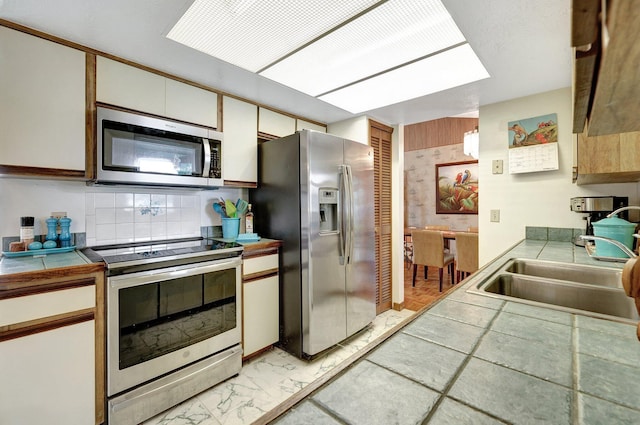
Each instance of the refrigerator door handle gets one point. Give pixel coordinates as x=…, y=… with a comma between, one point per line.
x=349, y=214
x=341, y=215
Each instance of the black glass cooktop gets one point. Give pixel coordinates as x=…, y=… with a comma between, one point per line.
x=157, y=252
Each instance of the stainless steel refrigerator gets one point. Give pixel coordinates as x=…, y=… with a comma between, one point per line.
x=315, y=193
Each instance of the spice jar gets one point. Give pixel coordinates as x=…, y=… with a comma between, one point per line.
x=26, y=230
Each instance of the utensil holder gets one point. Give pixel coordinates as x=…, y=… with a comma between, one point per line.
x=230, y=228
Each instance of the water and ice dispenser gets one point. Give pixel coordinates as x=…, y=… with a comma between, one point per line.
x=328, y=200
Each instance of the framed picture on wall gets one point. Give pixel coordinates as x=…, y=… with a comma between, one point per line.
x=457, y=188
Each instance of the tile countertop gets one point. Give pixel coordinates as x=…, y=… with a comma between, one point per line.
x=36, y=262
x=476, y=359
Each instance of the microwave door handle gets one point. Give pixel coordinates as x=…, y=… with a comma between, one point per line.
x=206, y=167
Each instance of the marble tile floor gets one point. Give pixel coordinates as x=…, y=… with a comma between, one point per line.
x=270, y=379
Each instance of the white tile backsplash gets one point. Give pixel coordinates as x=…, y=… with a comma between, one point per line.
x=125, y=232
x=124, y=200
x=105, y=200
x=142, y=200
x=40, y=197
x=105, y=215
x=123, y=217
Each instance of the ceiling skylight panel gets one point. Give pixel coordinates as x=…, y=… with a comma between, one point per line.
x=254, y=33
x=393, y=34
x=450, y=69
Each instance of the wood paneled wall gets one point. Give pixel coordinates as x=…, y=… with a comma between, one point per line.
x=440, y=132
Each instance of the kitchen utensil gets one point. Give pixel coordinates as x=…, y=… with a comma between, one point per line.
x=613, y=227
x=217, y=207
x=231, y=209
x=241, y=206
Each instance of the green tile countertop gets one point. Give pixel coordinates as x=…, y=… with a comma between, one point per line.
x=475, y=359
x=37, y=263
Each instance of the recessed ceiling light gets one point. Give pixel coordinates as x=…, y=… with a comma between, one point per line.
x=252, y=34
x=357, y=54
x=446, y=70
x=393, y=34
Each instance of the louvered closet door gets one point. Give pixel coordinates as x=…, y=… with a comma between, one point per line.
x=380, y=139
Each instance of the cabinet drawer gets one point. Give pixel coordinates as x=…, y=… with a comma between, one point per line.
x=258, y=264
x=22, y=309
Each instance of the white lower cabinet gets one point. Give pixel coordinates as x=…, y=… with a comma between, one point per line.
x=48, y=377
x=260, y=305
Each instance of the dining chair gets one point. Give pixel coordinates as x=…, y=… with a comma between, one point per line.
x=408, y=246
x=428, y=251
x=466, y=253
x=439, y=227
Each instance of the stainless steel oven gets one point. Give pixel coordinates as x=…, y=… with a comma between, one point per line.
x=173, y=325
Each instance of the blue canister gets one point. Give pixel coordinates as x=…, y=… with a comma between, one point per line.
x=617, y=229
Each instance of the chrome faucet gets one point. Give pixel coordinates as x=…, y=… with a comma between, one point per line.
x=619, y=244
x=632, y=207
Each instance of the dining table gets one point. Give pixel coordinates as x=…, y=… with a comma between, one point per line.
x=448, y=235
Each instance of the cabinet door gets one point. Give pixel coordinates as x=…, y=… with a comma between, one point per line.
x=42, y=103
x=302, y=125
x=192, y=104
x=275, y=124
x=240, y=147
x=49, y=377
x=260, y=314
x=129, y=87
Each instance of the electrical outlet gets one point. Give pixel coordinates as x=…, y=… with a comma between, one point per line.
x=495, y=216
x=496, y=166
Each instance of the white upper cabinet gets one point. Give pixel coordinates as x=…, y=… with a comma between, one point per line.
x=240, y=146
x=306, y=125
x=276, y=124
x=192, y=104
x=42, y=103
x=133, y=88
x=129, y=87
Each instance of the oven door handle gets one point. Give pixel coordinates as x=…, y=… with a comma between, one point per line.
x=149, y=276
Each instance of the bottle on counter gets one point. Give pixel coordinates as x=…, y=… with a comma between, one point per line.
x=26, y=230
x=248, y=220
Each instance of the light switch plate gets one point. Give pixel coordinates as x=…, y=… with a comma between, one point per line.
x=495, y=216
x=496, y=166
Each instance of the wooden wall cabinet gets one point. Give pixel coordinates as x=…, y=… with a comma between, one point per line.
x=240, y=148
x=613, y=158
x=42, y=104
x=260, y=302
x=52, y=349
x=134, y=88
x=606, y=78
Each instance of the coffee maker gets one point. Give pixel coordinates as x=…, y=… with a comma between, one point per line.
x=597, y=208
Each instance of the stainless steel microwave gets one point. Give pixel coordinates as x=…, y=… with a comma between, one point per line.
x=143, y=150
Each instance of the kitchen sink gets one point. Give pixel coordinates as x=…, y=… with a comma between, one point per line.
x=590, y=290
x=579, y=273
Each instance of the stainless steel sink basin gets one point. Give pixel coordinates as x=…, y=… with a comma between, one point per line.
x=580, y=273
x=590, y=290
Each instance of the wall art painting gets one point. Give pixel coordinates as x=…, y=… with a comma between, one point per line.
x=457, y=188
